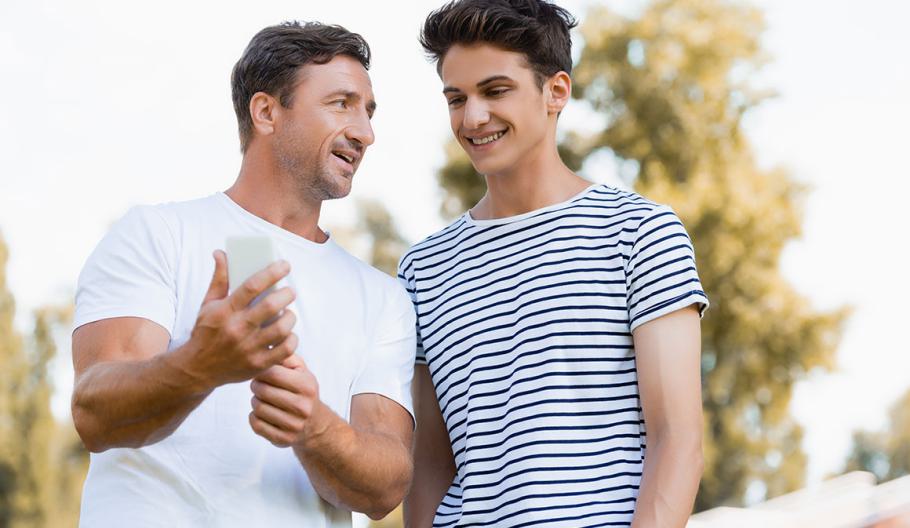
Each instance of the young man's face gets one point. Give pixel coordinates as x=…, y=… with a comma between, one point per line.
x=322, y=137
x=496, y=109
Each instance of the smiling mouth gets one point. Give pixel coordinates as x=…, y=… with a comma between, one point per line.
x=344, y=157
x=487, y=139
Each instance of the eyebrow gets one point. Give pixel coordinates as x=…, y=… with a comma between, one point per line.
x=481, y=84
x=354, y=96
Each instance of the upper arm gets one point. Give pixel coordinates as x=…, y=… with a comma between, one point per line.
x=117, y=339
x=668, y=361
x=433, y=451
x=377, y=414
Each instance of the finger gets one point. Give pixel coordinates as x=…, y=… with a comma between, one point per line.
x=281, y=398
x=276, y=332
x=280, y=352
x=271, y=433
x=277, y=416
x=271, y=305
x=258, y=283
x=291, y=380
x=294, y=362
x=218, y=288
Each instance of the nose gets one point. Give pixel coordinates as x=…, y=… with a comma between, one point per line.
x=476, y=114
x=361, y=131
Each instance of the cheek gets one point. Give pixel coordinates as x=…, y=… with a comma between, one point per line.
x=455, y=120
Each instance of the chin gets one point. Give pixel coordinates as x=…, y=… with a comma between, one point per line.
x=489, y=167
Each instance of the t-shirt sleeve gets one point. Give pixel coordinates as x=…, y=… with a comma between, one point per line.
x=406, y=278
x=131, y=273
x=390, y=363
x=661, y=276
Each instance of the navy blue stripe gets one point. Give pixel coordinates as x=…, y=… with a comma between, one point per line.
x=698, y=296
x=539, y=417
x=655, y=295
x=530, y=483
x=473, y=384
x=524, y=271
x=489, y=295
x=543, y=496
x=470, y=254
x=434, y=369
x=529, y=353
x=568, y=441
x=515, y=313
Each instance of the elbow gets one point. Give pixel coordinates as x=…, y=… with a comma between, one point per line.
x=382, y=507
x=86, y=429
x=389, y=499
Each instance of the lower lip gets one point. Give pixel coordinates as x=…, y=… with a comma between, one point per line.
x=349, y=167
x=486, y=146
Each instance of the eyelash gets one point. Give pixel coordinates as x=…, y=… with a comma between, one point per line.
x=496, y=92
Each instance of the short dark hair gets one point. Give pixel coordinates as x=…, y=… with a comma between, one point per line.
x=271, y=61
x=535, y=28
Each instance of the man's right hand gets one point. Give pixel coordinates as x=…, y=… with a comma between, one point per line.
x=229, y=342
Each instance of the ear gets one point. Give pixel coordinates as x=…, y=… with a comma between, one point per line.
x=263, y=110
x=559, y=90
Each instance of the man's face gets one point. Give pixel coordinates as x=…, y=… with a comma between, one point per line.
x=322, y=137
x=497, y=111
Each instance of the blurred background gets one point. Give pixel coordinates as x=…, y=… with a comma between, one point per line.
x=776, y=129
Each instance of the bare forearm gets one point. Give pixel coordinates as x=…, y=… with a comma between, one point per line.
x=673, y=468
x=134, y=403
x=359, y=470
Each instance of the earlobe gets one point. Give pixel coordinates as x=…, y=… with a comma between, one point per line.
x=262, y=109
x=559, y=88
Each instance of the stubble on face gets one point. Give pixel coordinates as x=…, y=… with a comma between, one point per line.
x=314, y=134
x=310, y=174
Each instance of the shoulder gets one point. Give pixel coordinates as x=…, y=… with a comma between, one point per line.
x=441, y=240
x=377, y=285
x=168, y=216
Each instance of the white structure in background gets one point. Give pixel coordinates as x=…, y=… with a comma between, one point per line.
x=849, y=501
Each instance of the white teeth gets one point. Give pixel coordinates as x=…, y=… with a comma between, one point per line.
x=488, y=139
x=345, y=157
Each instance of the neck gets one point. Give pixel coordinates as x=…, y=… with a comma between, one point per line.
x=537, y=181
x=271, y=194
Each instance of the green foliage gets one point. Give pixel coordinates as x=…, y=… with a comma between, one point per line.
x=885, y=453
x=673, y=84
x=42, y=463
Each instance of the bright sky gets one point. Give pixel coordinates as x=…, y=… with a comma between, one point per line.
x=111, y=104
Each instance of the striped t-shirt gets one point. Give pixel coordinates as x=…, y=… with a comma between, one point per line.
x=526, y=325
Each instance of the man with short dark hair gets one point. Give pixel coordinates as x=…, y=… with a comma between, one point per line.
x=558, y=321
x=189, y=395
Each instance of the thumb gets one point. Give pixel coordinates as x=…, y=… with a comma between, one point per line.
x=218, y=289
x=293, y=362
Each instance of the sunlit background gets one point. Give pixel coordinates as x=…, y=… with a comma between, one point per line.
x=108, y=104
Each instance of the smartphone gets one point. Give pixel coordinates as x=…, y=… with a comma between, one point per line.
x=247, y=255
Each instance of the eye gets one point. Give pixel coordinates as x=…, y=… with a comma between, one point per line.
x=340, y=103
x=496, y=92
x=456, y=101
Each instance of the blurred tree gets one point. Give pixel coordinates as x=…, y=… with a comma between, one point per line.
x=673, y=85
x=887, y=453
x=42, y=463
x=386, y=243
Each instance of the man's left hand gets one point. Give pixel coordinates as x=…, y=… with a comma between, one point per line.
x=285, y=398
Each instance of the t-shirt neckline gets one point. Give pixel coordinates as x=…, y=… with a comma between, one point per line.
x=516, y=218
x=273, y=229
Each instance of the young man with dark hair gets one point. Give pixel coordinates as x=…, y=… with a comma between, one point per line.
x=189, y=395
x=558, y=321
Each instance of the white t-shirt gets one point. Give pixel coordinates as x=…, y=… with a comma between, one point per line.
x=356, y=330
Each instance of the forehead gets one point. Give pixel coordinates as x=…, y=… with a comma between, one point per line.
x=463, y=66
x=341, y=73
